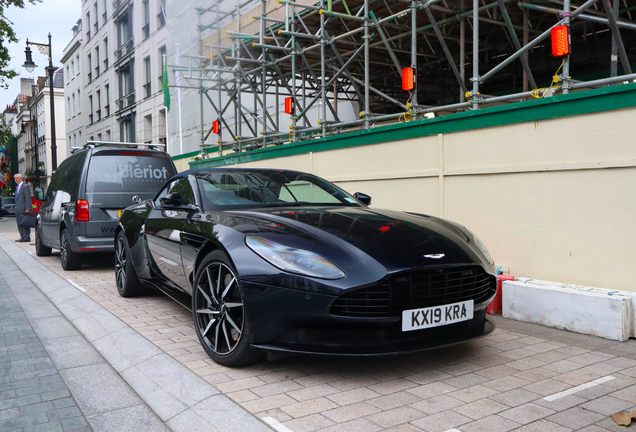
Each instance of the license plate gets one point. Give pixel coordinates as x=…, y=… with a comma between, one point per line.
x=119, y=214
x=416, y=319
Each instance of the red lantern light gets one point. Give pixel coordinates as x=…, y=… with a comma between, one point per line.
x=560, y=41
x=215, y=126
x=407, y=78
x=289, y=105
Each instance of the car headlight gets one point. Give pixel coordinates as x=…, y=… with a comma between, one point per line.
x=294, y=260
x=482, y=247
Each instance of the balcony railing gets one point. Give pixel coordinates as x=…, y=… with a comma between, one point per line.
x=125, y=49
x=126, y=101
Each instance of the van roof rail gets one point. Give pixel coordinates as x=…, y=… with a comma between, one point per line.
x=93, y=144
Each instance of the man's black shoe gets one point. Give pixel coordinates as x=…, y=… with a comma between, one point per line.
x=18, y=240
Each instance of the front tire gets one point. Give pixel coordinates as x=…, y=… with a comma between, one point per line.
x=40, y=249
x=70, y=260
x=128, y=284
x=219, y=314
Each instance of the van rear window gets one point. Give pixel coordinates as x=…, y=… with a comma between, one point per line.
x=127, y=173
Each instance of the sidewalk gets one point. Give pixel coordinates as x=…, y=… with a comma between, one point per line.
x=70, y=365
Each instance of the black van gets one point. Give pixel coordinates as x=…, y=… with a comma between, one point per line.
x=89, y=190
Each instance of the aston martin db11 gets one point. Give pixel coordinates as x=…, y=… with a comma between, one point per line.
x=278, y=260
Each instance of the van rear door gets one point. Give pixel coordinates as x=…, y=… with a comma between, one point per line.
x=115, y=177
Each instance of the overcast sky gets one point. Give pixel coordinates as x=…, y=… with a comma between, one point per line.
x=35, y=22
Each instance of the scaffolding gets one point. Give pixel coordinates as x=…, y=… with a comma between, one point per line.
x=341, y=62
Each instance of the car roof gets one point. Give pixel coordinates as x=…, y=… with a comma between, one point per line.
x=231, y=169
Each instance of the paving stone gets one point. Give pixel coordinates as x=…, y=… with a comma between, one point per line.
x=309, y=407
x=350, y=412
x=396, y=416
x=561, y=404
x=595, y=392
x=429, y=390
x=308, y=423
x=527, y=413
x=480, y=409
x=358, y=425
x=547, y=387
x=515, y=397
x=474, y=393
x=576, y=418
x=393, y=400
x=441, y=422
x=436, y=404
x=466, y=380
x=506, y=383
x=607, y=405
x=490, y=424
x=353, y=396
x=543, y=426
x=392, y=386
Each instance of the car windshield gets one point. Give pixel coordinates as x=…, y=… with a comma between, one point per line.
x=251, y=189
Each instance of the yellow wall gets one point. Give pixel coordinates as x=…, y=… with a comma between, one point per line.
x=553, y=199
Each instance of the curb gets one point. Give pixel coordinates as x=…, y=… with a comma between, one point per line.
x=179, y=397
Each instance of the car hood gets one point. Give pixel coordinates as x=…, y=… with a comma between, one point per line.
x=396, y=240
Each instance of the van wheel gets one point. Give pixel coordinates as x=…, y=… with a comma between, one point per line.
x=40, y=249
x=128, y=284
x=70, y=260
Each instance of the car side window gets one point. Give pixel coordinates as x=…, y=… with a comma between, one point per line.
x=181, y=186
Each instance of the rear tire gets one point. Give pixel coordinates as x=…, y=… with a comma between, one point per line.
x=70, y=260
x=219, y=315
x=128, y=284
x=40, y=249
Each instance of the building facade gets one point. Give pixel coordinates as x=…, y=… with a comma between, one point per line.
x=119, y=96
x=74, y=89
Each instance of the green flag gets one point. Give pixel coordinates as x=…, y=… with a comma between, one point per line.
x=165, y=85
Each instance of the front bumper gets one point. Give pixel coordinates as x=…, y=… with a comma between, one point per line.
x=297, y=321
x=92, y=244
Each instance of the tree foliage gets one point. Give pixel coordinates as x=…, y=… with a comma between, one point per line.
x=7, y=36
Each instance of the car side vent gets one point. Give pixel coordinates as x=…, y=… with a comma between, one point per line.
x=416, y=289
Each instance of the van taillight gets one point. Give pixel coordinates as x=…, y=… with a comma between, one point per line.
x=81, y=211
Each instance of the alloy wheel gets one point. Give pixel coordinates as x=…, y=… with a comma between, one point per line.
x=120, y=263
x=219, y=308
x=63, y=249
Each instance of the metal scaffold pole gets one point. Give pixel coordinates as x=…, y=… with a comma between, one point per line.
x=348, y=59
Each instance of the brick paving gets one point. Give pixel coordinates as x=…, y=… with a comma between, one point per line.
x=33, y=396
x=496, y=383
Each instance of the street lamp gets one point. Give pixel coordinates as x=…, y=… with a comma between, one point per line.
x=45, y=49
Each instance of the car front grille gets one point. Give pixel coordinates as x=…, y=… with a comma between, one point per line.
x=416, y=289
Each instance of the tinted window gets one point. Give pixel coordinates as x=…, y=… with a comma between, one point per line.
x=6, y=201
x=73, y=175
x=180, y=186
x=127, y=173
x=239, y=189
x=56, y=181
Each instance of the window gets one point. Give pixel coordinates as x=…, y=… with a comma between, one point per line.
x=147, y=89
x=162, y=13
x=79, y=102
x=68, y=108
x=79, y=138
x=127, y=129
x=181, y=186
x=105, y=54
x=90, y=74
x=96, y=18
x=73, y=111
x=146, y=27
x=107, y=93
x=68, y=75
x=96, y=62
x=73, y=67
x=90, y=107
x=104, y=16
x=88, y=25
x=99, y=105
x=77, y=62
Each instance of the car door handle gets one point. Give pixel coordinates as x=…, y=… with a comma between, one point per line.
x=191, y=240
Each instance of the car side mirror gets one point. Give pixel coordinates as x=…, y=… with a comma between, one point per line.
x=38, y=194
x=171, y=200
x=363, y=198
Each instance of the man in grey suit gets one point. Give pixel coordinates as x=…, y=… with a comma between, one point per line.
x=22, y=206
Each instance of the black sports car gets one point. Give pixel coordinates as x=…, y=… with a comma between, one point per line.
x=277, y=260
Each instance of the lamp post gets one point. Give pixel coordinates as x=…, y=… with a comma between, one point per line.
x=29, y=66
